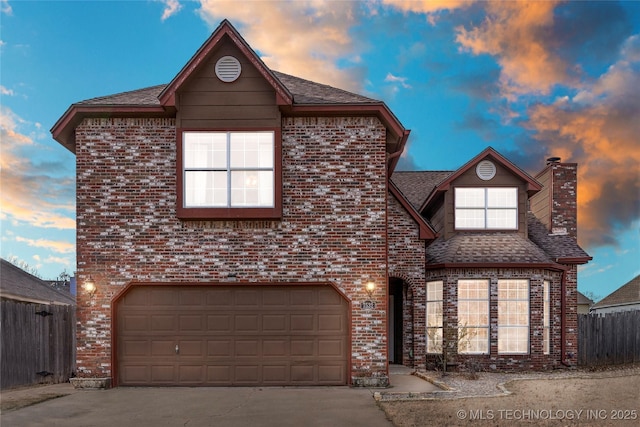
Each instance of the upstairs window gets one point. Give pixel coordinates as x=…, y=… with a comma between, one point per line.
x=228, y=175
x=486, y=208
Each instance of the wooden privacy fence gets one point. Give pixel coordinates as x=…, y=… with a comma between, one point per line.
x=37, y=343
x=609, y=339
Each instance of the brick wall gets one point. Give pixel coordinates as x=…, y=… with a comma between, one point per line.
x=333, y=227
x=407, y=262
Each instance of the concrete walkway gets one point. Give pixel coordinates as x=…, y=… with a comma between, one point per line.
x=205, y=406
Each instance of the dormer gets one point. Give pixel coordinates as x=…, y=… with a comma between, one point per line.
x=489, y=193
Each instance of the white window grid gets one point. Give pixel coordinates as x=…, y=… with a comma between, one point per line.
x=513, y=316
x=473, y=316
x=479, y=208
x=228, y=169
x=434, y=316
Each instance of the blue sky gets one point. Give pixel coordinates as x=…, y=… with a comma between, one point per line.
x=531, y=79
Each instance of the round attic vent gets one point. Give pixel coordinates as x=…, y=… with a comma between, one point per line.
x=228, y=69
x=486, y=170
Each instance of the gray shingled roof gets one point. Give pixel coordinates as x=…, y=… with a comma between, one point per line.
x=308, y=92
x=628, y=293
x=417, y=185
x=141, y=97
x=484, y=248
x=303, y=91
x=557, y=246
x=17, y=284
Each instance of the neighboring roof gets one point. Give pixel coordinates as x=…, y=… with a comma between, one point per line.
x=560, y=247
x=625, y=295
x=294, y=95
x=17, y=284
x=417, y=185
x=533, y=186
x=486, y=248
x=584, y=300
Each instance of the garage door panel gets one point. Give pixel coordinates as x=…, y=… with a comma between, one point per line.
x=163, y=297
x=135, y=323
x=275, y=374
x=274, y=323
x=331, y=323
x=302, y=322
x=248, y=374
x=330, y=347
x=246, y=298
x=134, y=348
x=221, y=297
x=302, y=373
x=301, y=347
x=190, y=374
x=226, y=335
x=247, y=323
x=331, y=373
x=219, y=323
x=191, y=297
x=302, y=298
x=275, y=348
x=191, y=322
x=163, y=323
x=244, y=348
x=163, y=348
x=220, y=348
x=275, y=298
x=162, y=374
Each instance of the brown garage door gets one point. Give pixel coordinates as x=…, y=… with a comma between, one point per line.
x=232, y=335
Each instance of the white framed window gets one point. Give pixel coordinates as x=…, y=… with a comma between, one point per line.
x=546, y=317
x=228, y=169
x=434, y=316
x=513, y=316
x=473, y=316
x=479, y=208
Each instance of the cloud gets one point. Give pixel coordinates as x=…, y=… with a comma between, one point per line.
x=514, y=33
x=598, y=128
x=32, y=193
x=306, y=39
x=5, y=7
x=55, y=246
x=5, y=91
x=58, y=260
x=396, y=79
x=171, y=7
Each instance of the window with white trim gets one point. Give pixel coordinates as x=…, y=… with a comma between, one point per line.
x=228, y=169
x=229, y=175
x=473, y=316
x=546, y=317
x=493, y=208
x=434, y=316
x=513, y=316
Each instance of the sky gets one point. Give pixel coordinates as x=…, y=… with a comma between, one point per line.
x=530, y=79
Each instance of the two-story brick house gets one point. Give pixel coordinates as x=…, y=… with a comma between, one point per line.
x=244, y=226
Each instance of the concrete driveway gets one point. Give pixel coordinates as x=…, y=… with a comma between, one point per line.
x=266, y=406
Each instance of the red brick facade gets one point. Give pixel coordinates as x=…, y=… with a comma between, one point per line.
x=333, y=230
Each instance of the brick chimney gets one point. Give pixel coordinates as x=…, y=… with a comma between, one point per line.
x=556, y=204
